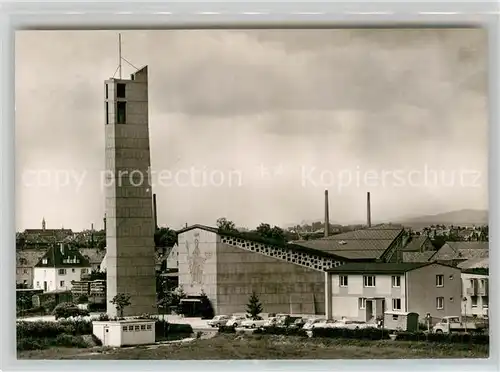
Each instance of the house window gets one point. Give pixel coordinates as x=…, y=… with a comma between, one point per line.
x=440, y=303
x=107, y=112
x=149, y=327
x=394, y=317
x=121, y=112
x=120, y=90
x=61, y=283
x=439, y=280
x=343, y=280
x=130, y=328
x=396, y=281
x=38, y=284
x=125, y=328
x=369, y=281
x=84, y=271
x=25, y=271
x=396, y=304
x=107, y=93
x=25, y=282
x=362, y=303
x=137, y=328
x=473, y=301
x=44, y=261
x=143, y=327
x=62, y=271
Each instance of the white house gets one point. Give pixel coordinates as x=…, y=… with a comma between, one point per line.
x=58, y=267
x=475, y=289
x=364, y=291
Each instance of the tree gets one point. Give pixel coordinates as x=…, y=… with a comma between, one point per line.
x=165, y=237
x=121, y=301
x=224, y=224
x=266, y=231
x=254, y=307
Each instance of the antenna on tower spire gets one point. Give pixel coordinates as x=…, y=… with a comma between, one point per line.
x=120, y=55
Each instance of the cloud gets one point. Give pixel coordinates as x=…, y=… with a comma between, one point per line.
x=236, y=100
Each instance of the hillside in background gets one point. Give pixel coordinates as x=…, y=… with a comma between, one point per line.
x=464, y=217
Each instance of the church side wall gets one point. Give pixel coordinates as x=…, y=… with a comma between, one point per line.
x=282, y=287
x=198, y=263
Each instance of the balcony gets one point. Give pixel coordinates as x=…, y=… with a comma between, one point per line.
x=483, y=290
x=472, y=291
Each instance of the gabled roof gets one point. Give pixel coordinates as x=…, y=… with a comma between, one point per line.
x=462, y=251
x=28, y=257
x=253, y=237
x=61, y=256
x=93, y=255
x=415, y=244
x=379, y=267
x=368, y=243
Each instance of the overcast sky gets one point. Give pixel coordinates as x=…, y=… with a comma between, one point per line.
x=336, y=109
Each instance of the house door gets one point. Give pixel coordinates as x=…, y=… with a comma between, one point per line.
x=369, y=310
x=105, y=336
x=45, y=286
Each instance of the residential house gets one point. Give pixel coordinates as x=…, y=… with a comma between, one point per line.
x=419, y=249
x=455, y=252
x=25, y=262
x=365, y=290
x=95, y=256
x=58, y=267
x=475, y=291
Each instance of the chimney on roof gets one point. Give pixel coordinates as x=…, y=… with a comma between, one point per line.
x=327, y=215
x=368, y=210
x=155, y=215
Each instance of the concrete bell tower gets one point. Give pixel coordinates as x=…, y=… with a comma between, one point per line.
x=129, y=222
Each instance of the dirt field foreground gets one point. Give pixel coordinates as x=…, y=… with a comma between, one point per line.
x=224, y=346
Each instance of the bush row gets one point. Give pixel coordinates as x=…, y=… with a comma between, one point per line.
x=53, y=329
x=360, y=334
x=162, y=326
x=226, y=329
x=453, y=338
x=43, y=329
x=285, y=331
x=62, y=340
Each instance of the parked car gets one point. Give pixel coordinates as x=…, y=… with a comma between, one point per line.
x=270, y=322
x=450, y=324
x=67, y=310
x=325, y=324
x=352, y=324
x=253, y=322
x=285, y=320
x=298, y=323
x=310, y=322
x=235, y=321
x=218, y=320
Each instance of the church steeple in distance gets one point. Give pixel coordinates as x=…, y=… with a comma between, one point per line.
x=43, y=223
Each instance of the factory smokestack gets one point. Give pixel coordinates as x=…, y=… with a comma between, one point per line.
x=368, y=210
x=327, y=216
x=155, y=215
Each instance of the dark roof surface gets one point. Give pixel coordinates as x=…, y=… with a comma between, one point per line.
x=378, y=267
x=417, y=256
x=368, y=243
x=56, y=257
x=474, y=263
x=416, y=244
